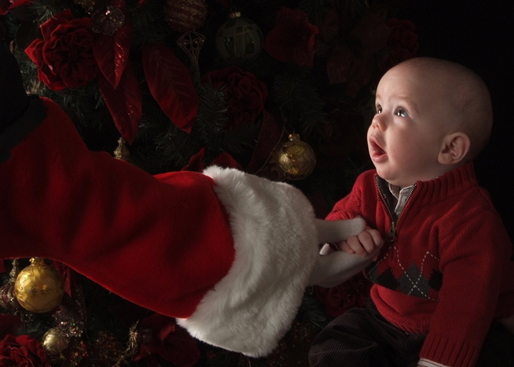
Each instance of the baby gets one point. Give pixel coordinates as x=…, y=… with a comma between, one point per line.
x=444, y=273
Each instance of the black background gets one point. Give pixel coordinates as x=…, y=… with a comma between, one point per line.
x=480, y=35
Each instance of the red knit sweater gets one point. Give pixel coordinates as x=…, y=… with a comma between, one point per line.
x=445, y=264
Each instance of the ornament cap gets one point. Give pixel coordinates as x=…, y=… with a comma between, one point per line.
x=294, y=137
x=36, y=261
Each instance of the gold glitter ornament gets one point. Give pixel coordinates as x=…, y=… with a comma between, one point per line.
x=296, y=159
x=38, y=288
x=55, y=341
x=185, y=15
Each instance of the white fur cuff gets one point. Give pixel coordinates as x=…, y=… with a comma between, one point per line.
x=275, y=240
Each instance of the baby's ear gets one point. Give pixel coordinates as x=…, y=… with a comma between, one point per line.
x=454, y=149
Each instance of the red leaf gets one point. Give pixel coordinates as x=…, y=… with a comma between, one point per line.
x=124, y=103
x=18, y=3
x=195, y=163
x=171, y=85
x=225, y=160
x=112, y=54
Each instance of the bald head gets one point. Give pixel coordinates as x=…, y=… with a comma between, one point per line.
x=466, y=93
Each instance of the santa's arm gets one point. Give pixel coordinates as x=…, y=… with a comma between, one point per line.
x=111, y=221
x=227, y=253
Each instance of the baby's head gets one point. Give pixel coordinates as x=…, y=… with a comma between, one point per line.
x=431, y=116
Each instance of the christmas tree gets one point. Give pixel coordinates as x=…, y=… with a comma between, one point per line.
x=280, y=89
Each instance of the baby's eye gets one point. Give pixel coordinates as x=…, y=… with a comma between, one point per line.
x=378, y=109
x=401, y=112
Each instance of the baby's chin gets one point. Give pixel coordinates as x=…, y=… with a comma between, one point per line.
x=392, y=178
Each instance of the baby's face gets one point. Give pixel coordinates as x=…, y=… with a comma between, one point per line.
x=407, y=131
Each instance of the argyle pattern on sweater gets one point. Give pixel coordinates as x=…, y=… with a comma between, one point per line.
x=423, y=279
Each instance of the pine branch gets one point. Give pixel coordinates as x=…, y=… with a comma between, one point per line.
x=299, y=101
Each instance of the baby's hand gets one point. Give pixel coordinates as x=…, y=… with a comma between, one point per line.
x=365, y=243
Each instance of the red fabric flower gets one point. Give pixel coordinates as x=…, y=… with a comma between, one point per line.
x=245, y=94
x=22, y=351
x=64, y=57
x=161, y=335
x=345, y=296
x=293, y=38
x=402, y=43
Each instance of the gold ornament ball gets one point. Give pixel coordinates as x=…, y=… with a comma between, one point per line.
x=296, y=159
x=55, y=341
x=39, y=288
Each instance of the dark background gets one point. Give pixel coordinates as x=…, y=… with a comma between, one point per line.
x=478, y=34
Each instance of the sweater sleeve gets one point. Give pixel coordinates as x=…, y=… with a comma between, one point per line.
x=473, y=257
x=350, y=206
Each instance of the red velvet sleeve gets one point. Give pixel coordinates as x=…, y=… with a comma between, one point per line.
x=160, y=242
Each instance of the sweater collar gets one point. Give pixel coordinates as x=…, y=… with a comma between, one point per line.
x=451, y=183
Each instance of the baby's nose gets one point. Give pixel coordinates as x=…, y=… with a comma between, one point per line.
x=378, y=122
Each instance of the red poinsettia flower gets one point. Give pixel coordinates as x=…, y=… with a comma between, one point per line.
x=162, y=335
x=64, y=57
x=244, y=93
x=293, y=37
x=22, y=351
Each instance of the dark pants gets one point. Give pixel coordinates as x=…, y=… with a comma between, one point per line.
x=362, y=337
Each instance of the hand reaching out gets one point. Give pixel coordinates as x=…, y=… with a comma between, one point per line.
x=363, y=244
x=335, y=266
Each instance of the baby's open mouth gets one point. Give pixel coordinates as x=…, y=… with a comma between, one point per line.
x=377, y=153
